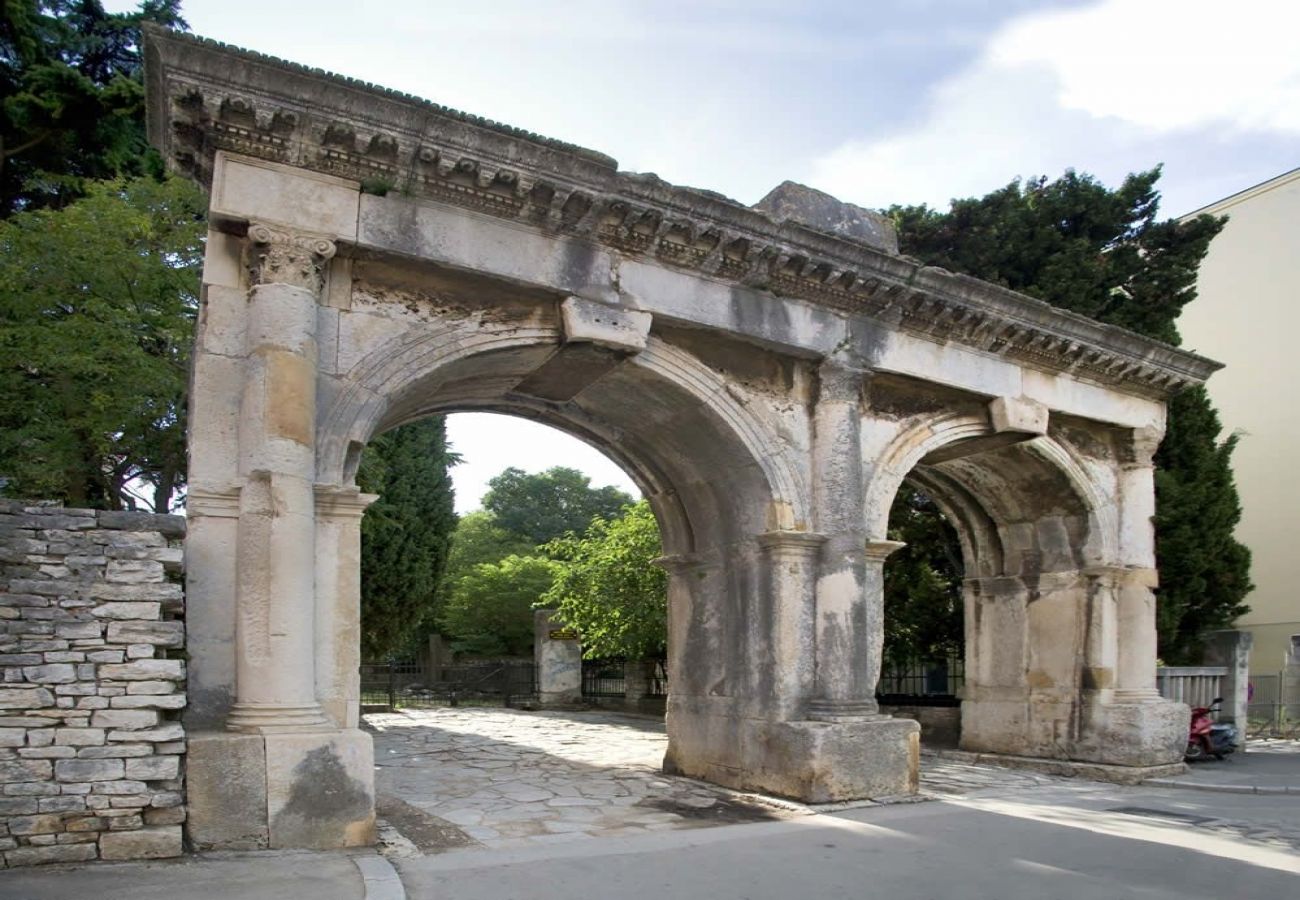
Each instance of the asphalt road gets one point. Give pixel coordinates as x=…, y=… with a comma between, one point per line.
x=1075, y=842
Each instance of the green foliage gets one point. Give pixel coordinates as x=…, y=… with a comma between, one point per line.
x=479, y=539
x=404, y=535
x=489, y=609
x=542, y=507
x=97, y=306
x=1204, y=572
x=1104, y=254
x=73, y=98
x=923, y=599
x=607, y=588
x=1074, y=243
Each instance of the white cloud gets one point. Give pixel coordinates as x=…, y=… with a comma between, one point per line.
x=1106, y=89
x=1168, y=64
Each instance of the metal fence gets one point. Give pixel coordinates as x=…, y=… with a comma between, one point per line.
x=658, y=685
x=604, y=678
x=396, y=685
x=1273, y=710
x=1193, y=685
x=922, y=682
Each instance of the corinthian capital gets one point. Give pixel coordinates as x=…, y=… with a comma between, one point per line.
x=279, y=256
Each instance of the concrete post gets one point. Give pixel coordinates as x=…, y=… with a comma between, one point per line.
x=849, y=616
x=558, y=655
x=1231, y=649
x=275, y=677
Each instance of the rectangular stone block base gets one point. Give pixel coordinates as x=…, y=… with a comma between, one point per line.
x=1148, y=733
x=293, y=790
x=1068, y=768
x=818, y=762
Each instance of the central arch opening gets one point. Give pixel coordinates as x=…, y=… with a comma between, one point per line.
x=705, y=465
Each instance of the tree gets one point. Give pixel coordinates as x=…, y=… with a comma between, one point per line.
x=73, y=107
x=1204, y=572
x=1103, y=253
x=924, y=615
x=404, y=534
x=97, y=306
x=489, y=609
x=607, y=587
x=479, y=539
x=544, y=506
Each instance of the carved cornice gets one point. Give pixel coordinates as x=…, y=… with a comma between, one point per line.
x=276, y=255
x=205, y=97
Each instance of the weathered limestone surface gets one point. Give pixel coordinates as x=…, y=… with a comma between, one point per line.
x=91, y=759
x=769, y=377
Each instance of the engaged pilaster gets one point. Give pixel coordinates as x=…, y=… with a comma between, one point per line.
x=790, y=570
x=849, y=610
x=276, y=542
x=1135, y=677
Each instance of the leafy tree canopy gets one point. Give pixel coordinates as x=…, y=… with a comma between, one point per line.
x=73, y=100
x=544, y=506
x=479, y=539
x=489, y=609
x=607, y=587
x=404, y=534
x=97, y=307
x=1105, y=254
x=923, y=598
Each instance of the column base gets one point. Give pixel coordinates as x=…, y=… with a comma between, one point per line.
x=264, y=718
x=293, y=790
x=843, y=710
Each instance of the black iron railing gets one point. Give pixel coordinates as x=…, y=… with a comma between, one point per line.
x=604, y=678
x=929, y=682
x=394, y=685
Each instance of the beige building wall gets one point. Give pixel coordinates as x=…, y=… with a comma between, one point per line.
x=1247, y=316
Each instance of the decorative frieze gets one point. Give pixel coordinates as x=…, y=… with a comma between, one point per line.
x=275, y=110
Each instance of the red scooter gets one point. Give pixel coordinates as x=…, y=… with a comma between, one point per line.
x=1208, y=738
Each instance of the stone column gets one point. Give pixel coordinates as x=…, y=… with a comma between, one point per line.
x=1135, y=668
x=276, y=548
x=790, y=569
x=1135, y=678
x=338, y=601
x=849, y=609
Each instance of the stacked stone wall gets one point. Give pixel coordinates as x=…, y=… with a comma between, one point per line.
x=91, y=685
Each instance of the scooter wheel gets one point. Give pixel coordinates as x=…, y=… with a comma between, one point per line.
x=1195, y=751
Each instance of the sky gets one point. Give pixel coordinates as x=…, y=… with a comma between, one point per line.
x=892, y=101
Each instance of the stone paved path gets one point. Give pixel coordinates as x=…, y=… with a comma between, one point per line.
x=482, y=777
x=450, y=778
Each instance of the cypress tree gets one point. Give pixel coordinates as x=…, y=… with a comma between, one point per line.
x=1105, y=254
x=404, y=535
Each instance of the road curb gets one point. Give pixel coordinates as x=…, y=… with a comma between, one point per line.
x=380, y=878
x=1224, y=788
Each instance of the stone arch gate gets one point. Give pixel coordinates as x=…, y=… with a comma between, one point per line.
x=768, y=376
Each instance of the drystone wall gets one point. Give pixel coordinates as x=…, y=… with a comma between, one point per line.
x=91, y=686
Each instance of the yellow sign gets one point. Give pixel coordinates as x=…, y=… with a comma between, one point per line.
x=563, y=634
